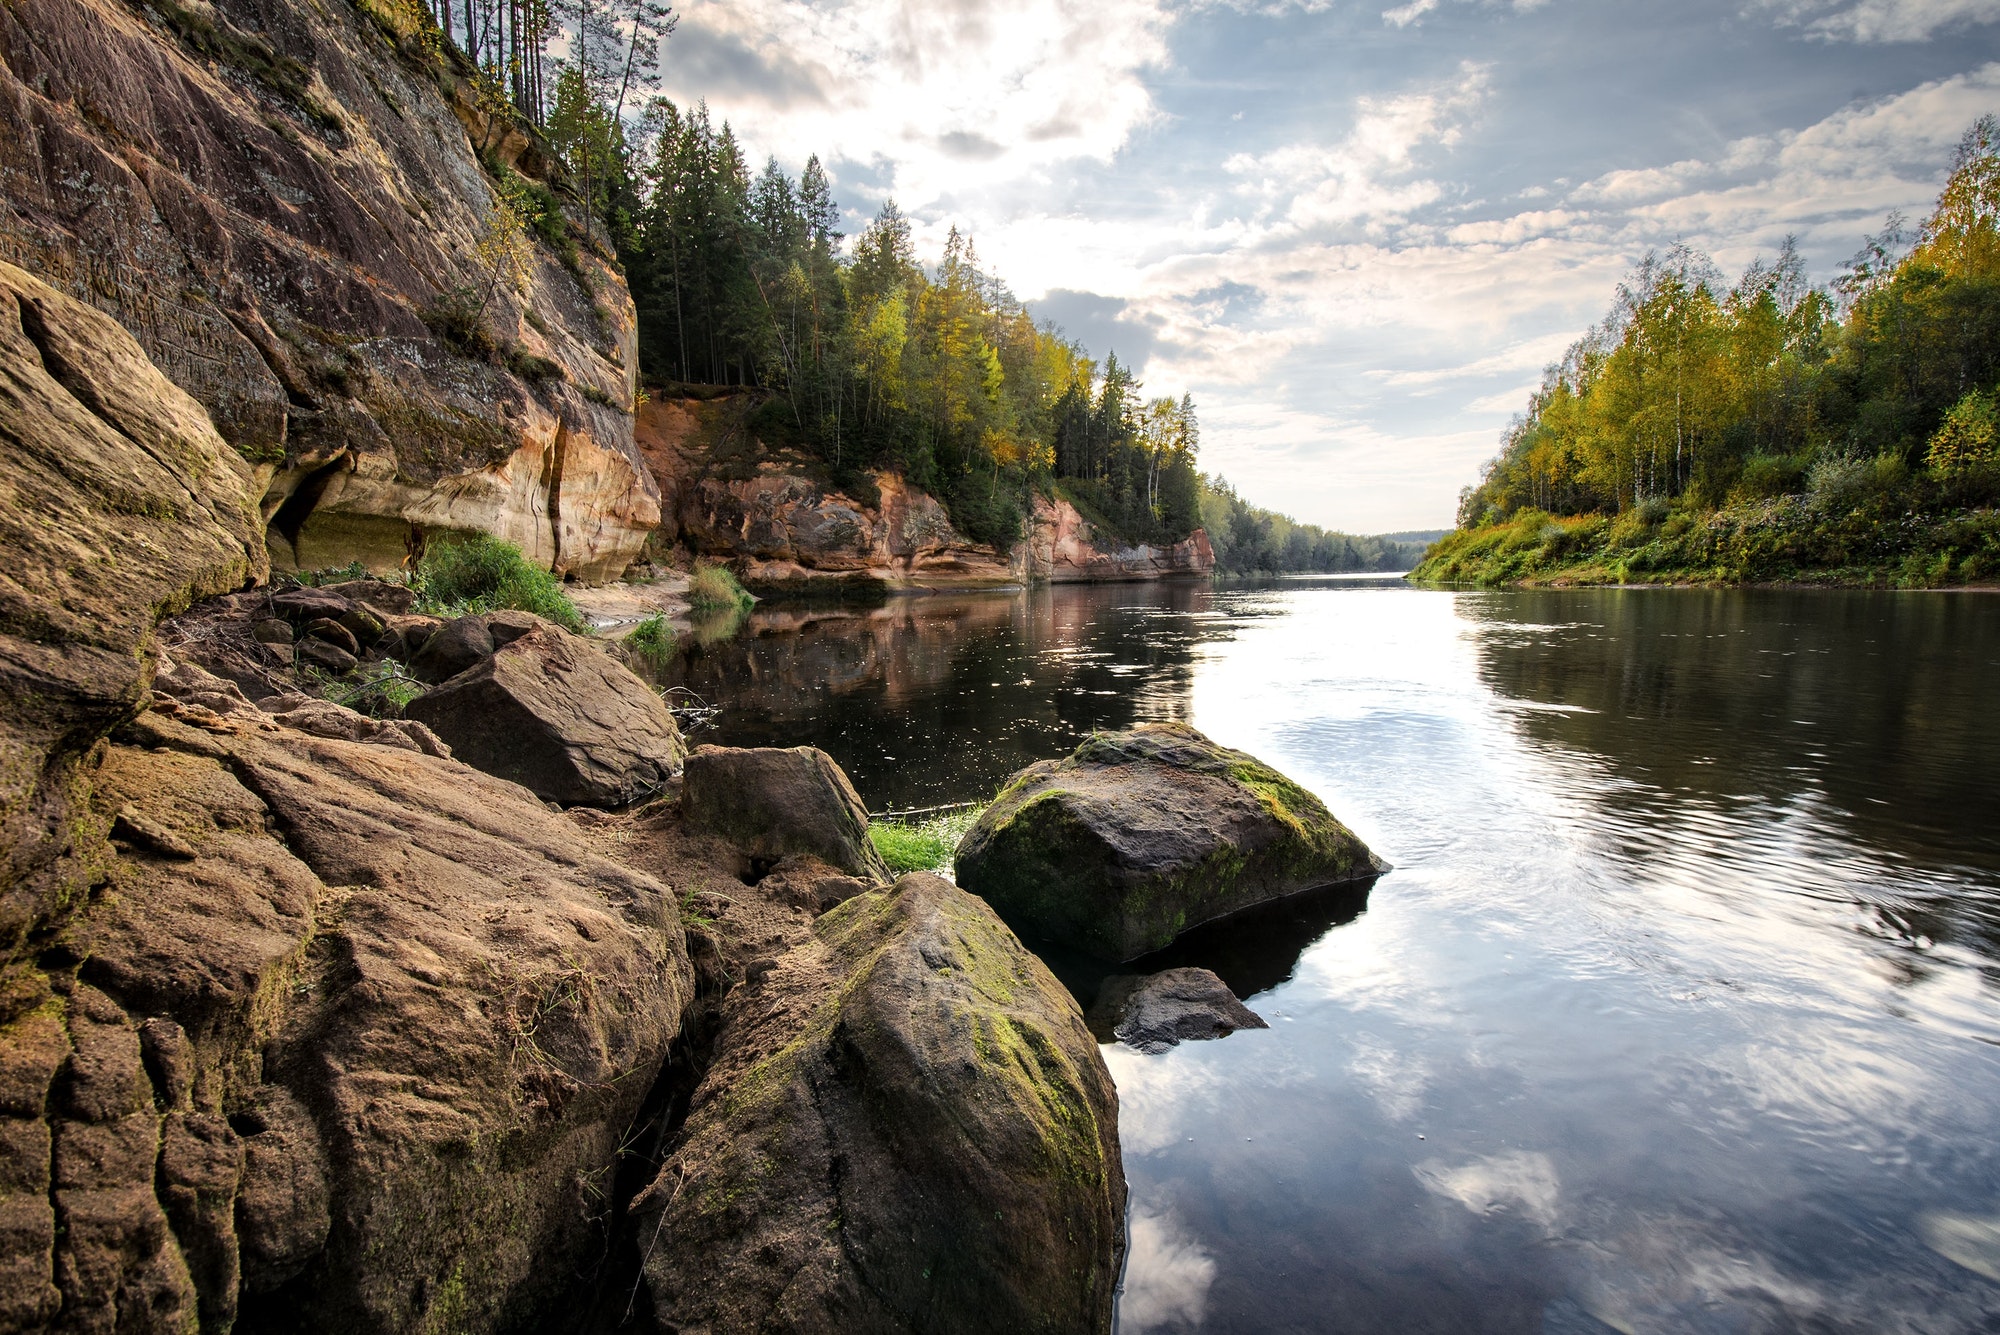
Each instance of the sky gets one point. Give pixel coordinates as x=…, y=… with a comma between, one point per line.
x=1354, y=232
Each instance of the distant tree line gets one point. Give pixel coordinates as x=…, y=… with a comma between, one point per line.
x=1250, y=541
x=1694, y=394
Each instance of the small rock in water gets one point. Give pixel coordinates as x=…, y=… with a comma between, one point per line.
x=1153, y=1013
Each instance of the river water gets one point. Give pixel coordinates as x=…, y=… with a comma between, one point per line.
x=1677, y=1013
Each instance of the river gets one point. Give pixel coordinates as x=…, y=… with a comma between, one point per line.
x=1677, y=1013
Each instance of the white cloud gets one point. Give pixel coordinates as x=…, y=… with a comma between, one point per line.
x=1404, y=15
x=1884, y=20
x=943, y=96
x=1524, y=1183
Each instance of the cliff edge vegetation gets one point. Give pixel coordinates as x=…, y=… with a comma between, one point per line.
x=1772, y=430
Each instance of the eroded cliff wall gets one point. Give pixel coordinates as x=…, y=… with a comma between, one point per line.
x=274, y=197
x=728, y=494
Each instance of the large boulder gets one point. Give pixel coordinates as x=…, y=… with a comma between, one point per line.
x=556, y=715
x=773, y=802
x=909, y=1129
x=1140, y=835
x=396, y=1029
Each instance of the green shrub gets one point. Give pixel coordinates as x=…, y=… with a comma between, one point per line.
x=713, y=588
x=926, y=845
x=652, y=640
x=1767, y=475
x=479, y=573
x=381, y=689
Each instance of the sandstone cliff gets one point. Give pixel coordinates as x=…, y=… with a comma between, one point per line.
x=727, y=494
x=279, y=198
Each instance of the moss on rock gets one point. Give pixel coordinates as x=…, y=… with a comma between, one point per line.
x=1140, y=835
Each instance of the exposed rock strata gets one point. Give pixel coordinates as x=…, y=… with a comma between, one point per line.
x=1137, y=836
x=1062, y=547
x=272, y=196
x=726, y=494
x=118, y=502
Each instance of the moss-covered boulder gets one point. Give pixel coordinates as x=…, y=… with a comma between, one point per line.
x=906, y=1128
x=1140, y=835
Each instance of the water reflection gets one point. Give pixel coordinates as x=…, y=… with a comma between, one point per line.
x=1678, y=1013
x=928, y=700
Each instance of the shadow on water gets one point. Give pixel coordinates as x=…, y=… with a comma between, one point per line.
x=1252, y=951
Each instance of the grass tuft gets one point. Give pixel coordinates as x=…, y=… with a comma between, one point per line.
x=480, y=573
x=711, y=588
x=652, y=640
x=925, y=845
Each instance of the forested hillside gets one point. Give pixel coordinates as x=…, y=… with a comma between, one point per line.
x=1769, y=429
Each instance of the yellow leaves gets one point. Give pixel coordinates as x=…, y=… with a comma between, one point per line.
x=504, y=250
x=1961, y=239
x=1969, y=437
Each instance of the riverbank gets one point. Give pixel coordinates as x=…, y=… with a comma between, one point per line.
x=1782, y=541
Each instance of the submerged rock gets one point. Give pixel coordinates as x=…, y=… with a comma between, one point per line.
x=557, y=716
x=773, y=802
x=910, y=1129
x=1140, y=835
x=1153, y=1012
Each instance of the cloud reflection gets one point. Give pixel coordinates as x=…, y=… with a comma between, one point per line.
x=1524, y=1181
x=1167, y=1274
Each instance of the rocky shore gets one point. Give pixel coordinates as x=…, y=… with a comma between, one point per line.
x=307, y=1023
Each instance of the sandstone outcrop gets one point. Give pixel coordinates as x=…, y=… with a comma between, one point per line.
x=558, y=716
x=1062, y=547
x=1137, y=836
x=403, y=1023
x=284, y=202
x=118, y=503
x=774, y=802
x=726, y=494
x=906, y=1128
x=1154, y=1012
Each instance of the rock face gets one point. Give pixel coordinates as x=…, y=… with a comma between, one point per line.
x=1062, y=547
x=1138, y=836
x=406, y=1020
x=118, y=502
x=909, y=1130
x=1155, y=1012
x=558, y=716
x=301, y=1026
x=283, y=202
x=725, y=494
x=773, y=802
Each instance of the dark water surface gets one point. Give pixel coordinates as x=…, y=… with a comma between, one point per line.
x=1678, y=1013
